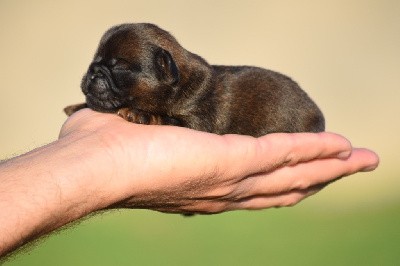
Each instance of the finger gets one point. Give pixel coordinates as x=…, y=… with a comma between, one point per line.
x=269, y=201
x=77, y=118
x=86, y=120
x=303, y=147
x=305, y=175
x=251, y=203
x=248, y=155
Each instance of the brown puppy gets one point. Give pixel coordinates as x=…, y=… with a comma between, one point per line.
x=142, y=73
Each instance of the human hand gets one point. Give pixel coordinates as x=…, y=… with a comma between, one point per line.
x=179, y=170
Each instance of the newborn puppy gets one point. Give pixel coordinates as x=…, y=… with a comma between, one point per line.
x=144, y=75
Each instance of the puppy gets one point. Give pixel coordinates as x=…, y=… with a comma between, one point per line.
x=143, y=74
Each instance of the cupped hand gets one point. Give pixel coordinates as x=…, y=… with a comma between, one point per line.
x=179, y=170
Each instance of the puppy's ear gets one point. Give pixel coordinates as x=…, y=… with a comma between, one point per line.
x=166, y=67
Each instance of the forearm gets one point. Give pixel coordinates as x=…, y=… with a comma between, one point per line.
x=43, y=190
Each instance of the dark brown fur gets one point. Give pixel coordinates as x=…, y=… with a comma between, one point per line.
x=142, y=73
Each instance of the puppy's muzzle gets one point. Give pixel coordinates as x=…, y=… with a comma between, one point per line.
x=99, y=80
x=99, y=89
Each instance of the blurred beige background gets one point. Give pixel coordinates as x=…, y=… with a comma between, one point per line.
x=345, y=54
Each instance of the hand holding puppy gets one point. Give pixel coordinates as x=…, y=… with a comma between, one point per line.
x=100, y=161
x=178, y=170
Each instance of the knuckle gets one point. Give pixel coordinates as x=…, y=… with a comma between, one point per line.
x=219, y=207
x=291, y=201
x=212, y=208
x=291, y=153
x=221, y=193
x=301, y=184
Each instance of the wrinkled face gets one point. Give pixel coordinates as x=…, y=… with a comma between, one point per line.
x=128, y=72
x=107, y=83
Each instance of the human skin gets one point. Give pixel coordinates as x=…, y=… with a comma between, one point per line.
x=100, y=162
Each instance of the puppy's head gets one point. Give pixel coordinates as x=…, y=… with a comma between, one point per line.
x=133, y=67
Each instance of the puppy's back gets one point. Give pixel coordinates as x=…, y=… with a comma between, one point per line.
x=255, y=101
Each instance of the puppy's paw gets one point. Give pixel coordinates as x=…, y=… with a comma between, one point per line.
x=139, y=117
x=69, y=110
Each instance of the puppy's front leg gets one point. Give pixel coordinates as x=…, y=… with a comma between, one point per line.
x=140, y=117
x=69, y=110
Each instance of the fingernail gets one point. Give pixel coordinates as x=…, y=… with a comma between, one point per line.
x=369, y=168
x=343, y=155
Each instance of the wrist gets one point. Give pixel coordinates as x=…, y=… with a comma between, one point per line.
x=47, y=188
x=84, y=174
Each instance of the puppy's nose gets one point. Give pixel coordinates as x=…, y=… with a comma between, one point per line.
x=97, y=73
